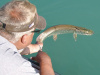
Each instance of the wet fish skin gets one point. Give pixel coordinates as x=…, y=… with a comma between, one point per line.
x=63, y=29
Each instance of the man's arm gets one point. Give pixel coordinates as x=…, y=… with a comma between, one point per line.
x=32, y=48
x=45, y=63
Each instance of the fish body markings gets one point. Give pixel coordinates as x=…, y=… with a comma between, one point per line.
x=63, y=29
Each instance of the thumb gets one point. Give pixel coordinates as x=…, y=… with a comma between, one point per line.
x=33, y=58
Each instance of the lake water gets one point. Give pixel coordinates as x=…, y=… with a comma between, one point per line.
x=69, y=57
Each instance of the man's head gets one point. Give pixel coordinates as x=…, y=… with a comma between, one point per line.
x=18, y=18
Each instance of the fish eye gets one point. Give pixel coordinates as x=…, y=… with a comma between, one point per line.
x=86, y=32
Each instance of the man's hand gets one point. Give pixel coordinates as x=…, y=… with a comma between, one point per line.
x=42, y=57
x=45, y=63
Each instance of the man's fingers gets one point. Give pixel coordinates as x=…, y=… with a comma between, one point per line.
x=33, y=58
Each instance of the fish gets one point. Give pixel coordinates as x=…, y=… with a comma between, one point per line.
x=63, y=29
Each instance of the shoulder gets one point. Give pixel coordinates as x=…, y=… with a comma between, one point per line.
x=12, y=63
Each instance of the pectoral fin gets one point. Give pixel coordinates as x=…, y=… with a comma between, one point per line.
x=55, y=37
x=75, y=36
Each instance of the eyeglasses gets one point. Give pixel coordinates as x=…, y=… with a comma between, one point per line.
x=36, y=31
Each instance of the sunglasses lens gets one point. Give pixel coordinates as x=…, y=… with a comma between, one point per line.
x=36, y=31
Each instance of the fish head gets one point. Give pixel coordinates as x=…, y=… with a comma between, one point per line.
x=87, y=31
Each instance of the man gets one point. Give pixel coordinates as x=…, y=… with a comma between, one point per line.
x=18, y=23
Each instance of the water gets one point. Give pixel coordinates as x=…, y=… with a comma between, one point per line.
x=69, y=57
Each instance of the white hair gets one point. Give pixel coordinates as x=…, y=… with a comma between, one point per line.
x=18, y=35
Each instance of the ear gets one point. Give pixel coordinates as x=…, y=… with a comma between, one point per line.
x=24, y=38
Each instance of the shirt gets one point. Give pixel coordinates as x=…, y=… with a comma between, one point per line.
x=11, y=62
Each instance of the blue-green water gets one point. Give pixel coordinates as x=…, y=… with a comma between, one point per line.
x=69, y=57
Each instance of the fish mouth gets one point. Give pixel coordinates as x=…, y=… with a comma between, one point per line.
x=90, y=33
